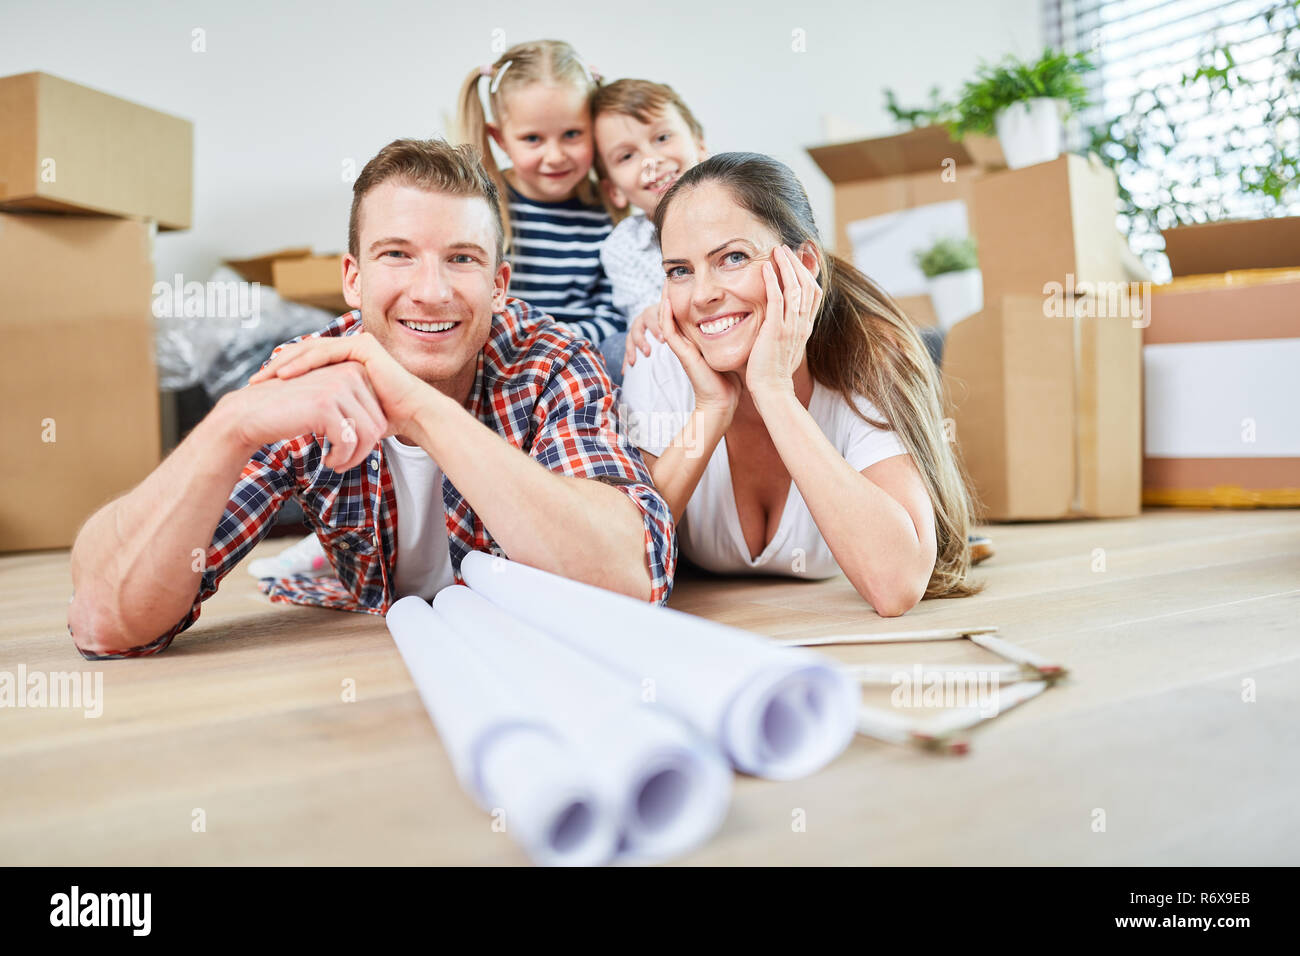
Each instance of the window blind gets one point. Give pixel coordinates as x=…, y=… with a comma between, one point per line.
x=1188, y=85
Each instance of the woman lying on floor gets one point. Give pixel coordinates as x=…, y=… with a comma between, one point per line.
x=792, y=416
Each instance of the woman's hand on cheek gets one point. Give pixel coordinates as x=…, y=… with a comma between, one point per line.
x=787, y=324
x=714, y=391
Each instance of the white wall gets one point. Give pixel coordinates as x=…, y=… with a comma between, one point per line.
x=287, y=91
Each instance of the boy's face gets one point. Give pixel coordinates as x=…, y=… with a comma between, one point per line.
x=644, y=159
x=427, y=259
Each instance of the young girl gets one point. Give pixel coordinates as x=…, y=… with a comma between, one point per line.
x=795, y=420
x=553, y=218
x=538, y=95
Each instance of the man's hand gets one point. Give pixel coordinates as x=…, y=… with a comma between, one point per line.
x=400, y=393
x=336, y=402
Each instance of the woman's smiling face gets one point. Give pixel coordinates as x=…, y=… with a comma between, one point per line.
x=712, y=250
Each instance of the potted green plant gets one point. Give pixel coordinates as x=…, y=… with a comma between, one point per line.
x=1024, y=103
x=953, y=279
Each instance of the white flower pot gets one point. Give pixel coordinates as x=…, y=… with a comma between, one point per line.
x=1031, y=131
x=955, y=295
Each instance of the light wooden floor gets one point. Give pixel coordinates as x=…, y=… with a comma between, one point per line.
x=243, y=718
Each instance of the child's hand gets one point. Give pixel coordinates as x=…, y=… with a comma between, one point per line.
x=647, y=321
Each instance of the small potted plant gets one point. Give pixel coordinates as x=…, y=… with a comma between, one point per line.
x=1024, y=103
x=954, y=280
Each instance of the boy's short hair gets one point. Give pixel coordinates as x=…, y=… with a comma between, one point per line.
x=431, y=164
x=641, y=100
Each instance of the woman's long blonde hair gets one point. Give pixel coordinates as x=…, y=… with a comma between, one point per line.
x=861, y=344
x=539, y=61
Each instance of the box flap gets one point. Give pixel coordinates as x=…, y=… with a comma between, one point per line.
x=919, y=150
x=312, y=280
x=1233, y=244
x=258, y=268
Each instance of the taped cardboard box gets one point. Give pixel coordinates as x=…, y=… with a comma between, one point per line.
x=70, y=148
x=1051, y=222
x=1047, y=410
x=80, y=390
x=1220, y=357
x=311, y=280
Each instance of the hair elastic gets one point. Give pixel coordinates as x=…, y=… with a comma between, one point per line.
x=496, y=81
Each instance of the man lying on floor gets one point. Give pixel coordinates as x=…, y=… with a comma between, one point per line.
x=442, y=417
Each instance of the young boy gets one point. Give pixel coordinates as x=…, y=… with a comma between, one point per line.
x=646, y=138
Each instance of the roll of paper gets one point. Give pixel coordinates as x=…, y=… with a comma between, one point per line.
x=668, y=786
x=778, y=712
x=506, y=758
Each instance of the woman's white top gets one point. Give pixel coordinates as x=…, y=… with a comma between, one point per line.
x=656, y=403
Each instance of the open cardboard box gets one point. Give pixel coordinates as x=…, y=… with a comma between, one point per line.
x=888, y=174
x=80, y=389
x=258, y=268
x=311, y=280
x=298, y=275
x=1220, y=357
x=70, y=148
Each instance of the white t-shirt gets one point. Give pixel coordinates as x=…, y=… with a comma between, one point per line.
x=656, y=403
x=423, y=556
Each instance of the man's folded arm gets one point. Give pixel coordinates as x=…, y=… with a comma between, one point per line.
x=581, y=437
x=143, y=564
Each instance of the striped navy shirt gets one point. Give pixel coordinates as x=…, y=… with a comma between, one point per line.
x=555, y=264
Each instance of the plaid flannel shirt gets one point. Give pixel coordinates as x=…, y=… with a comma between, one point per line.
x=537, y=385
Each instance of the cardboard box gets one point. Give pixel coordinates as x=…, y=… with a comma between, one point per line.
x=311, y=280
x=1045, y=222
x=885, y=247
x=69, y=148
x=872, y=177
x=258, y=268
x=80, y=389
x=1232, y=245
x=919, y=309
x=1047, y=410
x=1220, y=357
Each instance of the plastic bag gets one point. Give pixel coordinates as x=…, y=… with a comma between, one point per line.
x=219, y=332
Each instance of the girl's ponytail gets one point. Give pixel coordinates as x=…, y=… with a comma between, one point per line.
x=472, y=127
x=537, y=61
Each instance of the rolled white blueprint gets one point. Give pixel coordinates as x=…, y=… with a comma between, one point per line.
x=669, y=786
x=504, y=758
x=778, y=712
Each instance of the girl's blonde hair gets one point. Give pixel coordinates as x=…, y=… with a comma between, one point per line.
x=539, y=61
x=861, y=344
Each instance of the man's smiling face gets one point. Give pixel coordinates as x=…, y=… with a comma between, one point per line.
x=427, y=281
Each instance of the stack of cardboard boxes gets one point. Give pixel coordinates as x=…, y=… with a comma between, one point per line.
x=1044, y=384
x=1220, y=357
x=85, y=180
